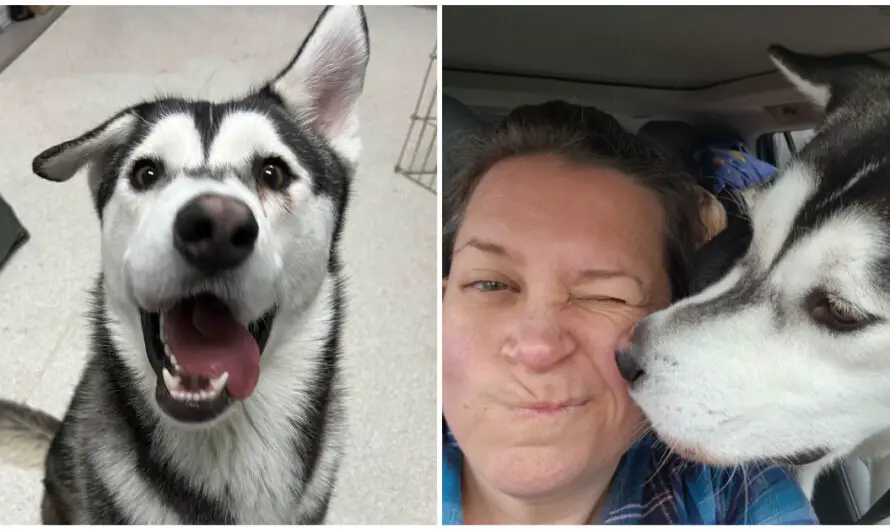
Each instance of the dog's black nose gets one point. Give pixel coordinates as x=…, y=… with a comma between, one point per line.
x=627, y=365
x=215, y=233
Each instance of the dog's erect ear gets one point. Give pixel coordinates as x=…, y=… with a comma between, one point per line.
x=323, y=82
x=828, y=81
x=61, y=162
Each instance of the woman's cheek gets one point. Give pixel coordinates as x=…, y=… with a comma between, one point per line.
x=457, y=389
x=456, y=353
x=468, y=349
x=609, y=334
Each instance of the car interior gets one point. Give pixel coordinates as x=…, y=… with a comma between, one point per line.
x=674, y=73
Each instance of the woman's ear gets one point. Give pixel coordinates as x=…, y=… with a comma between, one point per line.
x=444, y=286
x=713, y=216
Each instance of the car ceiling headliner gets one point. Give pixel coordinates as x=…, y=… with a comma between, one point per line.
x=682, y=48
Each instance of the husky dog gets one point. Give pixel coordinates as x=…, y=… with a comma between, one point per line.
x=784, y=354
x=213, y=393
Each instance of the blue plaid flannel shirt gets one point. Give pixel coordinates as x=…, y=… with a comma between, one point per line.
x=651, y=487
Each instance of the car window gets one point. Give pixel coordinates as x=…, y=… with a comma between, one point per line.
x=788, y=143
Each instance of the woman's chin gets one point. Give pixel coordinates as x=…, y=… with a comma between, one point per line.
x=536, y=471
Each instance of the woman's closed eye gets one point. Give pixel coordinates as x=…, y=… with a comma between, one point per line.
x=600, y=299
x=488, y=286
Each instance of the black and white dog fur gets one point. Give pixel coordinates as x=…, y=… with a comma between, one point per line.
x=784, y=354
x=213, y=393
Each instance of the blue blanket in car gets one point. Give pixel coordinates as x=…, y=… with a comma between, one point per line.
x=728, y=164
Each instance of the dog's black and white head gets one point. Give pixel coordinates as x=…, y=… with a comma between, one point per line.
x=786, y=354
x=217, y=215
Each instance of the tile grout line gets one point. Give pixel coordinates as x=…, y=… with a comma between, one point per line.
x=52, y=355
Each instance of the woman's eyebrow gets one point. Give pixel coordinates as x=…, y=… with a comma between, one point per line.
x=487, y=247
x=607, y=274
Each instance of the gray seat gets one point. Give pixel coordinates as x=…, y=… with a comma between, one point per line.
x=678, y=138
x=843, y=494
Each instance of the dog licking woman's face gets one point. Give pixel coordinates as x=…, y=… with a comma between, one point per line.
x=553, y=264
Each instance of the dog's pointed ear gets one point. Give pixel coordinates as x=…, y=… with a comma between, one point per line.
x=828, y=81
x=61, y=162
x=323, y=82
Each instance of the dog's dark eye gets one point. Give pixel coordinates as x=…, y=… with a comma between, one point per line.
x=144, y=174
x=837, y=314
x=273, y=174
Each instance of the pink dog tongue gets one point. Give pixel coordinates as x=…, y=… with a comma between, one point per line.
x=207, y=340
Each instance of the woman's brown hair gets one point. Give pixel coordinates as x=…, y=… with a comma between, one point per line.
x=586, y=135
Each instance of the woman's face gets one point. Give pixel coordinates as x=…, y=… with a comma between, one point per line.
x=552, y=266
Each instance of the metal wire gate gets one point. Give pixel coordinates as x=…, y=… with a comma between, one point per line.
x=419, y=163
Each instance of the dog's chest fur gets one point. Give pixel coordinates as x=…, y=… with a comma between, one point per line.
x=240, y=476
x=252, y=468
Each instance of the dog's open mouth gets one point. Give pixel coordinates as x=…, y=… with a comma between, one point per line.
x=204, y=358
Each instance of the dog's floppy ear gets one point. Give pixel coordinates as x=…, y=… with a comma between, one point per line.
x=61, y=162
x=828, y=81
x=324, y=80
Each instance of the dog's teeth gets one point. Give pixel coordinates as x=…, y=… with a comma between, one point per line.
x=179, y=394
x=170, y=356
x=218, y=384
x=171, y=381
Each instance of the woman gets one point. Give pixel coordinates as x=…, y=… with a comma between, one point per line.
x=566, y=230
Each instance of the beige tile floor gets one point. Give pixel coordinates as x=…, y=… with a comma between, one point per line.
x=94, y=60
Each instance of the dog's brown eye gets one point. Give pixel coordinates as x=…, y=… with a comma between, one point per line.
x=837, y=314
x=144, y=174
x=273, y=174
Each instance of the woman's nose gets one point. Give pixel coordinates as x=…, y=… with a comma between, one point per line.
x=539, y=343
